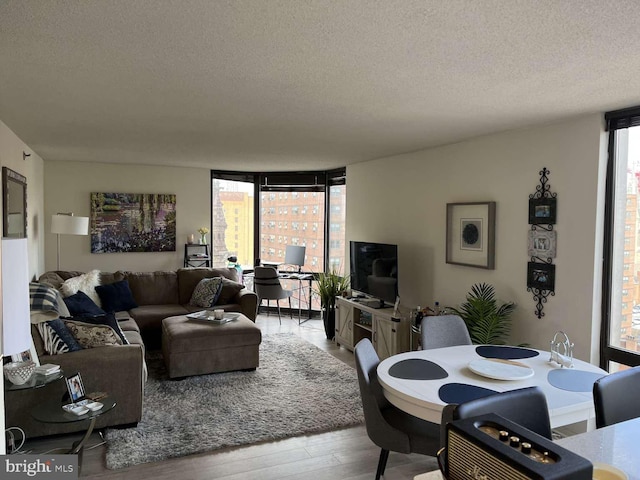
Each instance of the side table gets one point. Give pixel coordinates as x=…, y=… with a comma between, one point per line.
x=52, y=412
x=35, y=381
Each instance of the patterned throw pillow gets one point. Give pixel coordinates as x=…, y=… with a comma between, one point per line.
x=206, y=292
x=56, y=338
x=87, y=283
x=92, y=336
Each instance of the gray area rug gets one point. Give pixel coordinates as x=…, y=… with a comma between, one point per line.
x=298, y=389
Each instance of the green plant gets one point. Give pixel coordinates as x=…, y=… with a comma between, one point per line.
x=329, y=285
x=487, y=322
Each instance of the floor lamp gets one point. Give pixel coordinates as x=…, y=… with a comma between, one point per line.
x=68, y=224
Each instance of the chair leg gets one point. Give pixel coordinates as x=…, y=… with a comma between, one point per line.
x=279, y=317
x=290, y=311
x=268, y=302
x=382, y=463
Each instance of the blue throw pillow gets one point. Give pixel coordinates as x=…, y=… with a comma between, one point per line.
x=80, y=303
x=116, y=297
x=108, y=319
x=64, y=334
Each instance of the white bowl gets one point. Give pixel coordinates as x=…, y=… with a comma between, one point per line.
x=19, y=372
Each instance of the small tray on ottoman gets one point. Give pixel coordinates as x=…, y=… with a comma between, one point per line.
x=196, y=347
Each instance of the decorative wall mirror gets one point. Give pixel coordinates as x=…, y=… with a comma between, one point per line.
x=14, y=204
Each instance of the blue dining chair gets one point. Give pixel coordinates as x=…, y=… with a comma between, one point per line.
x=388, y=427
x=615, y=397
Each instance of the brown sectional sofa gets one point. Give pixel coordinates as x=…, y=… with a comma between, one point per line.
x=121, y=370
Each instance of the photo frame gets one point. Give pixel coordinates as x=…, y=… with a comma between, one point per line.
x=541, y=276
x=75, y=387
x=27, y=355
x=471, y=234
x=542, y=243
x=542, y=211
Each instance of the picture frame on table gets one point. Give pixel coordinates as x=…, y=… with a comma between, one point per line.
x=542, y=211
x=27, y=355
x=541, y=276
x=75, y=387
x=470, y=237
x=542, y=243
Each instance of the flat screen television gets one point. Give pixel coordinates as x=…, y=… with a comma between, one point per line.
x=374, y=269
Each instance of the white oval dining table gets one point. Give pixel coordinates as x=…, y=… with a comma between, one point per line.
x=569, y=392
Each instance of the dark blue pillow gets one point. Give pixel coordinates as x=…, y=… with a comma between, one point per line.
x=65, y=335
x=80, y=303
x=108, y=319
x=116, y=297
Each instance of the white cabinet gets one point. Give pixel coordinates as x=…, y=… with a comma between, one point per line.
x=355, y=321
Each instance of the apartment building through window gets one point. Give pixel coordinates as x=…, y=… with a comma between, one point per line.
x=620, y=336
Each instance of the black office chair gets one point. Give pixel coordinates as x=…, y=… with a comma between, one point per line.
x=388, y=427
x=615, y=397
x=525, y=406
x=443, y=331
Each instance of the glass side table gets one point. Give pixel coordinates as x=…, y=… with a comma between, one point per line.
x=35, y=381
x=52, y=412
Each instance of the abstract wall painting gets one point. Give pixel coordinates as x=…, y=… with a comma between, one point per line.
x=133, y=222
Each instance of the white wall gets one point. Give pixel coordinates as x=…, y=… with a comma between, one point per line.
x=11, y=148
x=403, y=200
x=68, y=186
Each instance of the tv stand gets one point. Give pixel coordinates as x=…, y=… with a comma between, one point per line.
x=366, y=318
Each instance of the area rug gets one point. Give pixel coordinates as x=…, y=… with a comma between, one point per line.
x=297, y=389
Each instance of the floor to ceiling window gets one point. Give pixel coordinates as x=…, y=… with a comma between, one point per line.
x=256, y=215
x=620, y=338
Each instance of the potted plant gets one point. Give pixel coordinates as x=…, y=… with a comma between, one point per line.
x=330, y=285
x=488, y=323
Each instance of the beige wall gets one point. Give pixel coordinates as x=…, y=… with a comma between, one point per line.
x=68, y=186
x=403, y=200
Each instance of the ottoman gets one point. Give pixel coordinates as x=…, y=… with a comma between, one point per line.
x=194, y=347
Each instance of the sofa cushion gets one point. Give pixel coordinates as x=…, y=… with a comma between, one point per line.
x=87, y=283
x=111, y=277
x=43, y=298
x=92, y=336
x=79, y=303
x=230, y=290
x=153, y=288
x=56, y=337
x=116, y=296
x=108, y=319
x=188, y=278
x=206, y=292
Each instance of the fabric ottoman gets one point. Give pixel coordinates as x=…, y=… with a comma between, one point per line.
x=194, y=347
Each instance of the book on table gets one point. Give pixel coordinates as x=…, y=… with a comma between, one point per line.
x=47, y=369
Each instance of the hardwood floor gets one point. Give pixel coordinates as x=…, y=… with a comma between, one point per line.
x=343, y=454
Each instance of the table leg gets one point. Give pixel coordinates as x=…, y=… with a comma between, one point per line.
x=77, y=447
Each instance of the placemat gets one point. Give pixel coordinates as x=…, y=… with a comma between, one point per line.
x=461, y=392
x=417, y=369
x=505, y=353
x=573, y=380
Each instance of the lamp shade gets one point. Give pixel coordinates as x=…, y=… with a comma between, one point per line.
x=16, y=320
x=68, y=224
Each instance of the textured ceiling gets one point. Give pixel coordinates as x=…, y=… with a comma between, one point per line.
x=302, y=84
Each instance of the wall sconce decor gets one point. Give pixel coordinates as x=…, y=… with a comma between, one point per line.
x=541, y=273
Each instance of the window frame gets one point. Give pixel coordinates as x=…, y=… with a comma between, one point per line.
x=615, y=120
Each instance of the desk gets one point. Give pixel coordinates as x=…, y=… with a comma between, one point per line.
x=300, y=278
x=422, y=398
